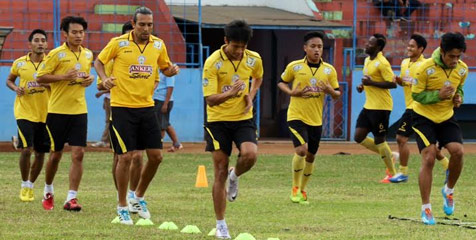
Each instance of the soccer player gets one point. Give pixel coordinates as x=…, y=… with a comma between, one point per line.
x=415, y=48
x=377, y=80
x=311, y=80
x=438, y=89
x=163, y=106
x=67, y=70
x=30, y=108
x=137, y=58
x=229, y=99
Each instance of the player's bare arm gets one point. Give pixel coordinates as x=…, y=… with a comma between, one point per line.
x=217, y=99
x=11, y=84
x=367, y=81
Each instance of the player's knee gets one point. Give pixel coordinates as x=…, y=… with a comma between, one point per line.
x=301, y=150
x=26, y=151
x=249, y=157
x=456, y=152
x=358, y=138
x=401, y=140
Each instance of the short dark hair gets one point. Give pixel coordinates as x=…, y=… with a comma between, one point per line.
x=36, y=31
x=450, y=41
x=381, y=40
x=127, y=27
x=66, y=21
x=420, y=40
x=313, y=34
x=238, y=30
x=142, y=10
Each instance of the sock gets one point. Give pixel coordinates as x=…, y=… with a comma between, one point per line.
x=24, y=184
x=369, y=143
x=48, y=189
x=131, y=194
x=140, y=198
x=449, y=190
x=425, y=206
x=386, y=155
x=221, y=222
x=404, y=170
x=308, y=169
x=71, y=194
x=444, y=162
x=119, y=208
x=233, y=176
x=30, y=184
x=298, y=166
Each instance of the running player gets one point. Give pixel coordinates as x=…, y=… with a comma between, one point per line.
x=311, y=80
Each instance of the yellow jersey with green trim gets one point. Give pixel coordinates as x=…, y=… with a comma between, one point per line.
x=432, y=77
x=219, y=74
x=33, y=105
x=379, y=70
x=67, y=97
x=309, y=109
x=407, y=73
x=135, y=68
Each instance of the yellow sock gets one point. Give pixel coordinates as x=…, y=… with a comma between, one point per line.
x=386, y=155
x=308, y=169
x=298, y=166
x=370, y=144
x=404, y=170
x=444, y=162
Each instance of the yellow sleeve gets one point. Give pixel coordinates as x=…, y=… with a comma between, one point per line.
x=421, y=79
x=109, y=52
x=288, y=74
x=49, y=65
x=258, y=69
x=15, y=67
x=210, y=79
x=386, y=72
x=333, y=79
x=163, y=61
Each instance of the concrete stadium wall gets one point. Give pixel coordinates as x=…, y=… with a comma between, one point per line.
x=186, y=117
x=358, y=99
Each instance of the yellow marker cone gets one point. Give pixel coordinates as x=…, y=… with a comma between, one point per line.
x=201, y=177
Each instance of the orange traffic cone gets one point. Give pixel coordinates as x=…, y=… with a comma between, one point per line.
x=201, y=177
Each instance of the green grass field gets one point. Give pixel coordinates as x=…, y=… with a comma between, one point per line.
x=347, y=202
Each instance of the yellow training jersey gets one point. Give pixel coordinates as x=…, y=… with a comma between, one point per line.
x=408, y=73
x=135, y=68
x=431, y=77
x=33, y=105
x=379, y=70
x=67, y=97
x=309, y=109
x=219, y=74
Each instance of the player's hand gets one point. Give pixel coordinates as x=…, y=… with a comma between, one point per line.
x=325, y=87
x=298, y=92
x=360, y=88
x=236, y=88
x=446, y=92
x=87, y=81
x=366, y=80
x=71, y=75
x=164, y=108
x=457, y=100
x=172, y=70
x=398, y=80
x=108, y=83
x=99, y=94
x=20, y=91
x=249, y=104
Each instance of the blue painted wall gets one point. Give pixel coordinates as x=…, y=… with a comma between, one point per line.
x=186, y=116
x=358, y=99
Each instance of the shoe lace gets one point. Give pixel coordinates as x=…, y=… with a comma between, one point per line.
x=124, y=215
x=143, y=205
x=295, y=190
x=449, y=198
x=304, y=195
x=73, y=201
x=222, y=230
x=428, y=214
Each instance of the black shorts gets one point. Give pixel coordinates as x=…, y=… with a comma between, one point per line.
x=134, y=129
x=67, y=128
x=405, y=124
x=302, y=133
x=429, y=132
x=33, y=134
x=163, y=118
x=376, y=121
x=221, y=135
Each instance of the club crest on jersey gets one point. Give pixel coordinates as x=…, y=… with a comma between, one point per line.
x=205, y=82
x=218, y=65
x=35, y=75
x=235, y=78
x=141, y=60
x=377, y=63
x=327, y=71
x=61, y=55
x=124, y=43
x=297, y=68
x=313, y=82
x=250, y=62
x=20, y=64
x=462, y=71
x=430, y=71
x=88, y=55
x=158, y=44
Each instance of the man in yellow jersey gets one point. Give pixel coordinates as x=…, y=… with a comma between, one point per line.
x=311, y=79
x=377, y=80
x=438, y=89
x=137, y=58
x=67, y=70
x=415, y=48
x=229, y=99
x=30, y=108
x=136, y=165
